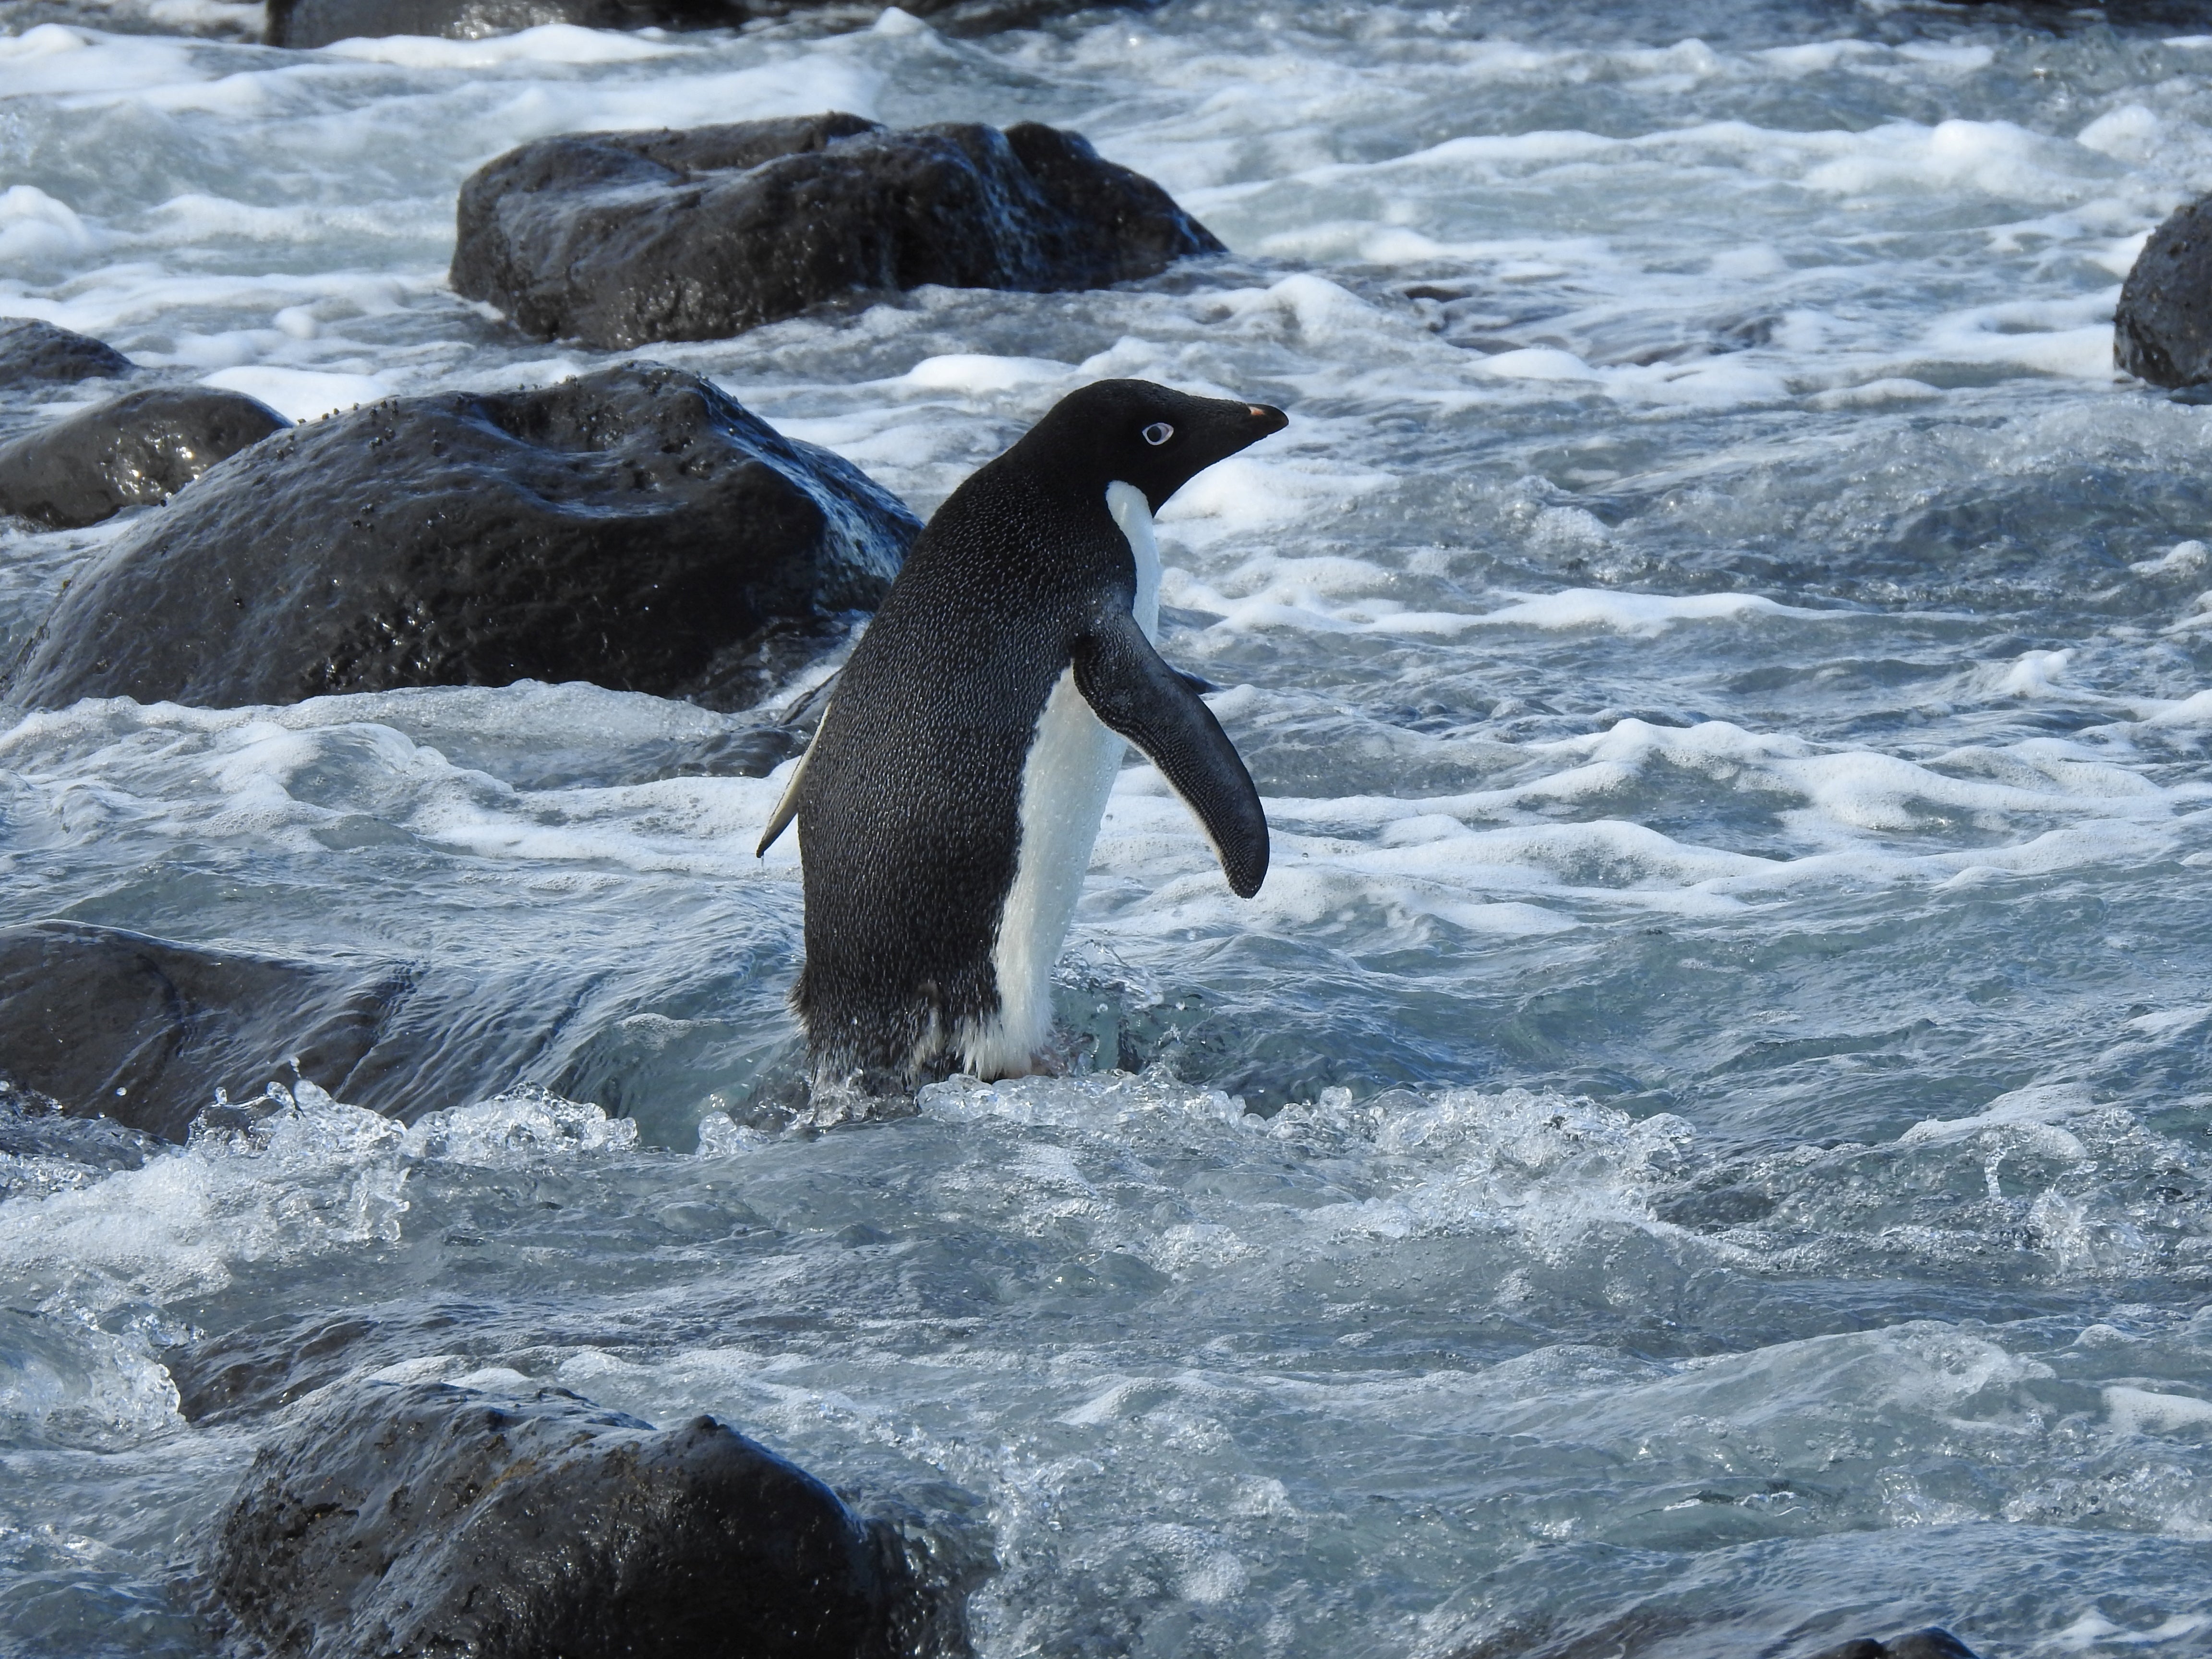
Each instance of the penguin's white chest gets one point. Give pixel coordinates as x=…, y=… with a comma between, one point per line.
x=1134, y=514
x=1066, y=779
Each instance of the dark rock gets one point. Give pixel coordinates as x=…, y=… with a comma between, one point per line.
x=1928, y=1644
x=2163, y=331
x=144, y=1031
x=32, y=350
x=423, y=1518
x=138, y=450
x=305, y=23
x=633, y=528
x=619, y=237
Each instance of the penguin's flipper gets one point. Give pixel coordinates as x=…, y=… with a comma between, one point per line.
x=815, y=704
x=788, y=808
x=1136, y=694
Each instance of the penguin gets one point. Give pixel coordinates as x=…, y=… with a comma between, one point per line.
x=947, y=805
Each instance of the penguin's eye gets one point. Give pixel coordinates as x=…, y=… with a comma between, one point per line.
x=1158, y=433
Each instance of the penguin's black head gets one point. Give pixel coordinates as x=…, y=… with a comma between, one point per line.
x=1133, y=432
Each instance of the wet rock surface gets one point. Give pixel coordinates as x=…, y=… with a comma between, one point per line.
x=137, y=451
x=144, y=1031
x=426, y=1518
x=32, y=351
x=635, y=528
x=1929, y=1644
x=621, y=238
x=2162, y=330
x=306, y=23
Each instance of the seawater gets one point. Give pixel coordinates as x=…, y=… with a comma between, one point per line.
x=1699, y=1148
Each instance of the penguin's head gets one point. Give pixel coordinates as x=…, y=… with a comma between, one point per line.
x=1133, y=432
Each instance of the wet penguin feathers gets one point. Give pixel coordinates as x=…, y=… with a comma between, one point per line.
x=948, y=804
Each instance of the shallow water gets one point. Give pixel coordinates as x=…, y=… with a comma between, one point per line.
x=1727, y=1029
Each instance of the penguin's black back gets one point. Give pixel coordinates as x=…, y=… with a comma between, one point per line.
x=909, y=810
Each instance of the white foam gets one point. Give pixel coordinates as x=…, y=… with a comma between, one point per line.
x=231, y=772
x=1340, y=595
x=2182, y=558
x=1993, y=158
x=2035, y=674
x=37, y=229
x=976, y=375
x=2140, y=1411
x=2187, y=711
x=2170, y=1021
x=801, y=85
x=721, y=1136
x=1388, y=865
x=1106, y=1103
x=1539, y=363
x=54, y=59
x=1253, y=494
x=1643, y=614
x=546, y=43
x=2127, y=133
x=2041, y=1105
x=300, y=394
x=2071, y=336
x=1871, y=394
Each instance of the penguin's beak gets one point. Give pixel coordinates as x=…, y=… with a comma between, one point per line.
x=1218, y=427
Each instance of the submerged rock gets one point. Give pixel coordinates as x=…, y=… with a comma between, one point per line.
x=634, y=528
x=277, y=1361
x=2163, y=331
x=32, y=350
x=424, y=1518
x=138, y=450
x=306, y=23
x=1928, y=1644
x=619, y=237
x=144, y=1030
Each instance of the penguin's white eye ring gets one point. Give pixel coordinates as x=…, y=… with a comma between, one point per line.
x=1158, y=433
